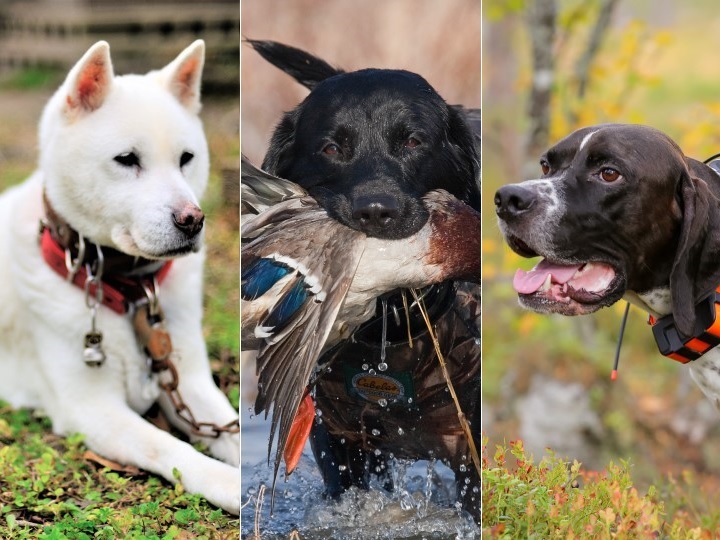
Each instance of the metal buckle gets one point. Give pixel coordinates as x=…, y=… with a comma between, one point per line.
x=74, y=266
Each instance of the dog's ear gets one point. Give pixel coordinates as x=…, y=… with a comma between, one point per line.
x=279, y=147
x=696, y=267
x=465, y=142
x=89, y=81
x=305, y=68
x=183, y=75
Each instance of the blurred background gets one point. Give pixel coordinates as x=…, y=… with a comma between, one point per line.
x=549, y=67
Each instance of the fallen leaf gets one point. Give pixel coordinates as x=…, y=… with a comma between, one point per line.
x=89, y=455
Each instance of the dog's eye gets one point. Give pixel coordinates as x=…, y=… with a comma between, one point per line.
x=544, y=166
x=128, y=159
x=331, y=149
x=609, y=175
x=185, y=158
x=411, y=142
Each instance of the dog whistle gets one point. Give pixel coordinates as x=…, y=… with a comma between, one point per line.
x=93, y=355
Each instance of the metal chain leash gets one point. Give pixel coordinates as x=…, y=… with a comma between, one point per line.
x=149, y=325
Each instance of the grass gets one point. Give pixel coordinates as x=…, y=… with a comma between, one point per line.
x=52, y=490
x=32, y=78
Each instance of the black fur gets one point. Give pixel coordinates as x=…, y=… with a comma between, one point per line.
x=394, y=140
x=658, y=225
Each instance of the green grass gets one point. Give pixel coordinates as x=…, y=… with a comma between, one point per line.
x=32, y=78
x=51, y=490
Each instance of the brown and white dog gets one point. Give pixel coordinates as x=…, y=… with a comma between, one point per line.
x=619, y=212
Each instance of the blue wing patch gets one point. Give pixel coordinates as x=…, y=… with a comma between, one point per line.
x=284, y=310
x=260, y=276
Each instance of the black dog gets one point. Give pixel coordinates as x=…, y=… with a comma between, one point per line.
x=619, y=211
x=368, y=145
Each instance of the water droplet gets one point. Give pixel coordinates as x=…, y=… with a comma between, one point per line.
x=371, y=372
x=322, y=454
x=375, y=432
x=341, y=467
x=467, y=481
x=409, y=400
x=365, y=367
x=318, y=412
x=318, y=420
x=383, y=338
x=377, y=452
x=462, y=467
x=477, y=341
x=342, y=441
x=382, y=402
x=382, y=366
x=401, y=431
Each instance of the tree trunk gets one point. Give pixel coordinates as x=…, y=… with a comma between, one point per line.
x=542, y=15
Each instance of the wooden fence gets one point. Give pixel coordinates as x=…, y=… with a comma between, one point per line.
x=142, y=34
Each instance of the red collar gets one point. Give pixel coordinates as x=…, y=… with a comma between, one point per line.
x=120, y=289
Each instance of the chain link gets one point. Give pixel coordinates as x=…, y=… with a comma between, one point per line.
x=160, y=361
x=204, y=429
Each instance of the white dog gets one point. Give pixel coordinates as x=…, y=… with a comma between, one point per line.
x=123, y=163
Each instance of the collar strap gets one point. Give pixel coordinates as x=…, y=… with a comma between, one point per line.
x=125, y=279
x=706, y=336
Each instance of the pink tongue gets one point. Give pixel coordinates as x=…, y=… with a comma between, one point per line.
x=530, y=282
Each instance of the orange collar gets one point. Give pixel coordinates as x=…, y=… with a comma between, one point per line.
x=686, y=350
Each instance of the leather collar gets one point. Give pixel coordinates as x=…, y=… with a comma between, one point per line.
x=126, y=279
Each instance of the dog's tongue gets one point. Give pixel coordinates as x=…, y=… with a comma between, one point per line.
x=530, y=282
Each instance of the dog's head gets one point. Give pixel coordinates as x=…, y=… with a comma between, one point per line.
x=369, y=144
x=617, y=208
x=124, y=159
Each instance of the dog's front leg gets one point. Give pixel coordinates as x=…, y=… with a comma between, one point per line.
x=203, y=398
x=92, y=401
x=182, y=302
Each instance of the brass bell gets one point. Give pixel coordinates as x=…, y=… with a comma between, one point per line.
x=93, y=355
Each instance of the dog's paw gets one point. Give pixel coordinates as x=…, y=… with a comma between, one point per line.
x=226, y=448
x=218, y=482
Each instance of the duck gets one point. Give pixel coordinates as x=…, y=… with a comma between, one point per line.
x=308, y=282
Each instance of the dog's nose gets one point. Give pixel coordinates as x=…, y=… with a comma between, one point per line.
x=375, y=212
x=189, y=220
x=513, y=200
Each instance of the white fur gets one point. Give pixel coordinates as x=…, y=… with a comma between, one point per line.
x=551, y=204
x=586, y=138
x=43, y=319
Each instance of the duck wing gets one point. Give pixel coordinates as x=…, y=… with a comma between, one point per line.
x=296, y=271
x=260, y=190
